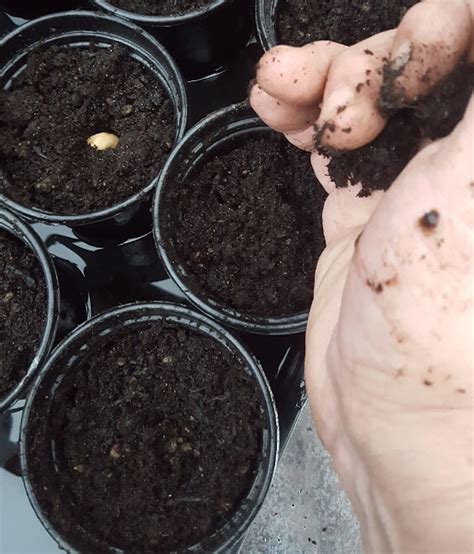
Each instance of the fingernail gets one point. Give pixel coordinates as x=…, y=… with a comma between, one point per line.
x=401, y=56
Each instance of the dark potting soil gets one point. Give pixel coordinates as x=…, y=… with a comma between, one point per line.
x=247, y=226
x=22, y=309
x=158, y=432
x=64, y=96
x=345, y=21
x=160, y=7
x=379, y=163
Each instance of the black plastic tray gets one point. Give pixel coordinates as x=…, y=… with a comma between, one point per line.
x=94, y=277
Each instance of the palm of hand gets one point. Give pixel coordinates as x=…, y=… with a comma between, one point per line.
x=389, y=367
x=389, y=363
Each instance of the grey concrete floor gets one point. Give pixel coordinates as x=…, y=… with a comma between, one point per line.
x=306, y=510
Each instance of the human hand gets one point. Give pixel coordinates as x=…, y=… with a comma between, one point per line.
x=389, y=367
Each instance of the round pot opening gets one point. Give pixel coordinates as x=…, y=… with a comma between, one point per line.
x=78, y=30
x=43, y=268
x=171, y=19
x=65, y=457
x=234, y=172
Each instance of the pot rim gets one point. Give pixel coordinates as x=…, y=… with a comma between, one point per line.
x=265, y=14
x=12, y=224
x=276, y=325
x=164, y=20
x=181, y=116
x=178, y=314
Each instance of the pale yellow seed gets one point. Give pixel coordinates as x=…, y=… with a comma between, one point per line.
x=103, y=141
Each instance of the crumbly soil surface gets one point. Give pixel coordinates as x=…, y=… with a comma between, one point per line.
x=247, y=227
x=22, y=309
x=379, y=163
x=345, y=21
x=160, y=7
x=64, y=96
x=158, y=432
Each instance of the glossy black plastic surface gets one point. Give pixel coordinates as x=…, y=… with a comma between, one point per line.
x=24, y=232
x=202, y=40
x=265, y=13
x=28, y=9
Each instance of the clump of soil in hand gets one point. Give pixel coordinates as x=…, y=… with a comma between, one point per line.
x=158, y=432
x=160, y=7
x=378, y=164
x=247, y=227
x=345, y=21
x=64, y=96
x=22, y=309
x=439, y=112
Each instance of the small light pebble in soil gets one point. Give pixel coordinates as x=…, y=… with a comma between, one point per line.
x=154, y=455
x=247, y=226
x=160, y=7
x=64, y=96
x=345, y=21
x=22, y=309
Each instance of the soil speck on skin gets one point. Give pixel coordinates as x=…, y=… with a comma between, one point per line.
x=429, y=221
x=345, y=21
x=174, y=473
x=253, y=212
x=65, y=95
x=22, y=309
x=160, y=7
x=376, y=287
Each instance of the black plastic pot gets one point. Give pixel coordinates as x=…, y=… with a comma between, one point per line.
x=130, y=217
x=265, y=14
x=12, y=224
x=202, y=40
x=28, y=9
x=206, y=136
x=64, y=358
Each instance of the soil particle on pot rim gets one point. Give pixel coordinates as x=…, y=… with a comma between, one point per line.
x=246, y=226
x=22, y=309
x=64, y=96
x=158, y=433
x=160, y=7
x=345, y=21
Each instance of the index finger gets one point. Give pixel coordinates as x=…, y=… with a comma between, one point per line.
x=297, y=75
